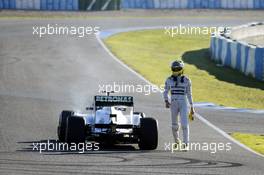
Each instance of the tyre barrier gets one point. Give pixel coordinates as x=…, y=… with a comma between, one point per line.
x=193, y=4
x=245, y=57
x=71, y=5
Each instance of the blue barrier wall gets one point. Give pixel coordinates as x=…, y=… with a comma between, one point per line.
x=40, y=4
x=7, y=4
x=259, y=63
x=59, y=5
x=248, y=59
x=193, y=4
x=29, y=4
x=142, y=4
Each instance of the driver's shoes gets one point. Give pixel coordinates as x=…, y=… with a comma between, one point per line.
x=185, y=147
x=176, y=146
x=179, y=146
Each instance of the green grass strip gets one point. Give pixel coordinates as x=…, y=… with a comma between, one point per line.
x=150, y=53
x=253, y=141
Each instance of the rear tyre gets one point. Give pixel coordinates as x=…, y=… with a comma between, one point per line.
x=148, y=134
x=62, y=125
x=75, y=130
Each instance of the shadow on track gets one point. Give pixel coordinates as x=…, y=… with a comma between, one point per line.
x=116, y=156
x=56, y=147
x=127, y=156
x=201, y=59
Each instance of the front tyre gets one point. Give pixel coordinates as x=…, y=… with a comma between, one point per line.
x=148, y=134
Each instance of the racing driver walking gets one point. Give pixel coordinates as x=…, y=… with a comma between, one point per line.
x=180, y=89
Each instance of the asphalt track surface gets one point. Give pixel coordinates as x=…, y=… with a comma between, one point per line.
x=42, y=76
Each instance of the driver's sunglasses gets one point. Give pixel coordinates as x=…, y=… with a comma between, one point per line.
x=176, y=69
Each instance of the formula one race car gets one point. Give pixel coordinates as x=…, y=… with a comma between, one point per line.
x=112, y=121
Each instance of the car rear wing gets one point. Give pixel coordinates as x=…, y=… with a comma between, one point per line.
x=101, y=100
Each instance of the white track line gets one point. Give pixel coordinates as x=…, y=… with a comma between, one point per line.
x=120, y=62
x=197, y=115
x=223, y=133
